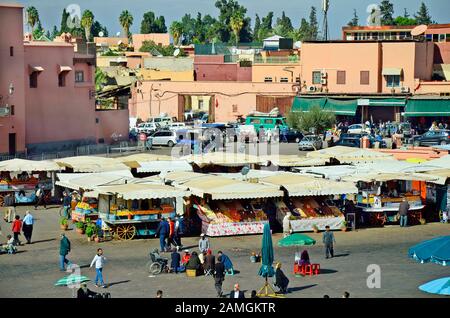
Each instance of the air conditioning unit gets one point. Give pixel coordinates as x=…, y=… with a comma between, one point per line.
x=323, y=81
x=323, y=74
x=404, y=89
x=4, y=111
x=312, y=88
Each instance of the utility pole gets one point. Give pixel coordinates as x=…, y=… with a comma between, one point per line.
x=325, y=7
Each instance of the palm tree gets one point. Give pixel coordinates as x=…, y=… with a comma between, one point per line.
x=86, y=22
x=33, y=17
x=176, y=29
x=126, y=20
x=236, y=24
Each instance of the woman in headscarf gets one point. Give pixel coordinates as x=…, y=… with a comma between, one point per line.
x=281, y=281
x=194, y=262
x=304, y=258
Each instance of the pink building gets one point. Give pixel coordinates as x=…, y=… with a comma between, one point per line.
x=162, y=39
x=214, y=68
x=224, y=102
x=53, y=106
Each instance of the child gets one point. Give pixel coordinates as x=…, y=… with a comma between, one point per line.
x=9, y=246
x=16, y=228
x=99, y=261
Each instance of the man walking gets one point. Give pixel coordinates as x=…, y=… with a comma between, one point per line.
x=64, y=249
x=40, y=197
x=178, y=231
x=203, y=244
x=16, y=228
x=99, y=261
x=27, y=227
x=67, y=202
x=10, y=209
x=328, y=240
x=403, y=212
x=163, y=232
x=170, y=240
x=219, y=276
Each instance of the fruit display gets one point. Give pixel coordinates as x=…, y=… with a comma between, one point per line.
x=310, y=208
x=230, y=212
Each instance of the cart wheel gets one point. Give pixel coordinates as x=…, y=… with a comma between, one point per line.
x=154, y=268
x=125, y=231
x=2, y=202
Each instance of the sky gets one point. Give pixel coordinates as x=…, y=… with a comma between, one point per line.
x=340, y=12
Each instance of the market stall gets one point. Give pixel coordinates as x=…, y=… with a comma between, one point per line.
x=21, y=178
x=130, y=210
x=90, y=164
x=349, y=155
x=226, y=206
x=310, y=200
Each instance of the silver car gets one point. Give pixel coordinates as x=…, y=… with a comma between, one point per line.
x=311, y=142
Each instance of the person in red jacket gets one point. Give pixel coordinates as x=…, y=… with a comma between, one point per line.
x=16, y=228
x=170, y=240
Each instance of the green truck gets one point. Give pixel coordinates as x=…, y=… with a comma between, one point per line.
x=266, y=122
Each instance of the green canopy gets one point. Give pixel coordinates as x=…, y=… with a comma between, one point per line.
x=303, y=104
x=266, y=269
x=342, y=107
x=72, y=280
x=427, y=107
x=296, y=239
x=387, y=102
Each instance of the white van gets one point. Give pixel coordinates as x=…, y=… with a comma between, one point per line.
x=161, y=121
x=176, y=126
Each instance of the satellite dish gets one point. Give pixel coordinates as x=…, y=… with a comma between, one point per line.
x=176, y=52
x=419, y=30
x=101, y=34
x=118, y=33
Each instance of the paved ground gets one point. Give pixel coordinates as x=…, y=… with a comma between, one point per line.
x=33, y=271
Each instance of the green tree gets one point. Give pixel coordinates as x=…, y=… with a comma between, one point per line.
x=423, y=16
x=355, y=20
x=404, y=21
x=313, y=32
x=152, y=47
x=32, y=17
x=256, y=28
x=160, y=25
x=387, y=12
x=151, y=24
x=210, y=27
x=87, y=20
x=284, y=26
x=97, y=27
x=188, y=28
x=38, y=32
x=100, y=79
x=176, y=30
x=227, y=9
x=125, y=20
x=54, y=33
x=64, y=27
x=302, y=33
x=236, y=24
x=315, y=119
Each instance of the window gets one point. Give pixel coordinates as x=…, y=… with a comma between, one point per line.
x=62, y=79
x=267, y=79
x=11, y=51
x=284, y=80
x=235, y=108
x=316, y=77
x=79, y=77
x=33, y=79
x=268, y=121
x=297, y=79
x=441, y=37
x=392, y=80
x=200, y=104
x=11, y=110
x=340, y=77
x=364, y=77
x=255, y=121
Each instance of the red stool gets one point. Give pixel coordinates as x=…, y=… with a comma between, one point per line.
x=308, y=270
x=316, y=269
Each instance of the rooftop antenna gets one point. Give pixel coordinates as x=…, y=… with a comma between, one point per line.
x=325, y=7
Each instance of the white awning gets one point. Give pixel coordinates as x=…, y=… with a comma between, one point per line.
x=35, y=68
x=392, y=71
x=88, y=181
x=164, y=166
x=136, y=191
x=91, y=164
x=21, y=165
x=63, y=68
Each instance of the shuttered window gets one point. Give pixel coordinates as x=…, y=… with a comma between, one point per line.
x=364, y=77
x=340, y=77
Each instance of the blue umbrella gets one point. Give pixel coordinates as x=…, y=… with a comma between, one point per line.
x=439, y=286
x=436, y=250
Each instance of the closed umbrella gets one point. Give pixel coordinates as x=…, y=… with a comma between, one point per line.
x=439, y=286
x=436, y=250
x=266, y=269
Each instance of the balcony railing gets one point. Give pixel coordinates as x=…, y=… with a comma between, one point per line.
x=276, y=59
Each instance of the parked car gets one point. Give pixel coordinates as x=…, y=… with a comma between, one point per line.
x=353, y=140
x=163, y=138
x=358, y=129
x=392, y=128
x=147, y=128
x=162, y=121
x=310, y=142
x=432, y=138
x=292, y=135
x=176, y=126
